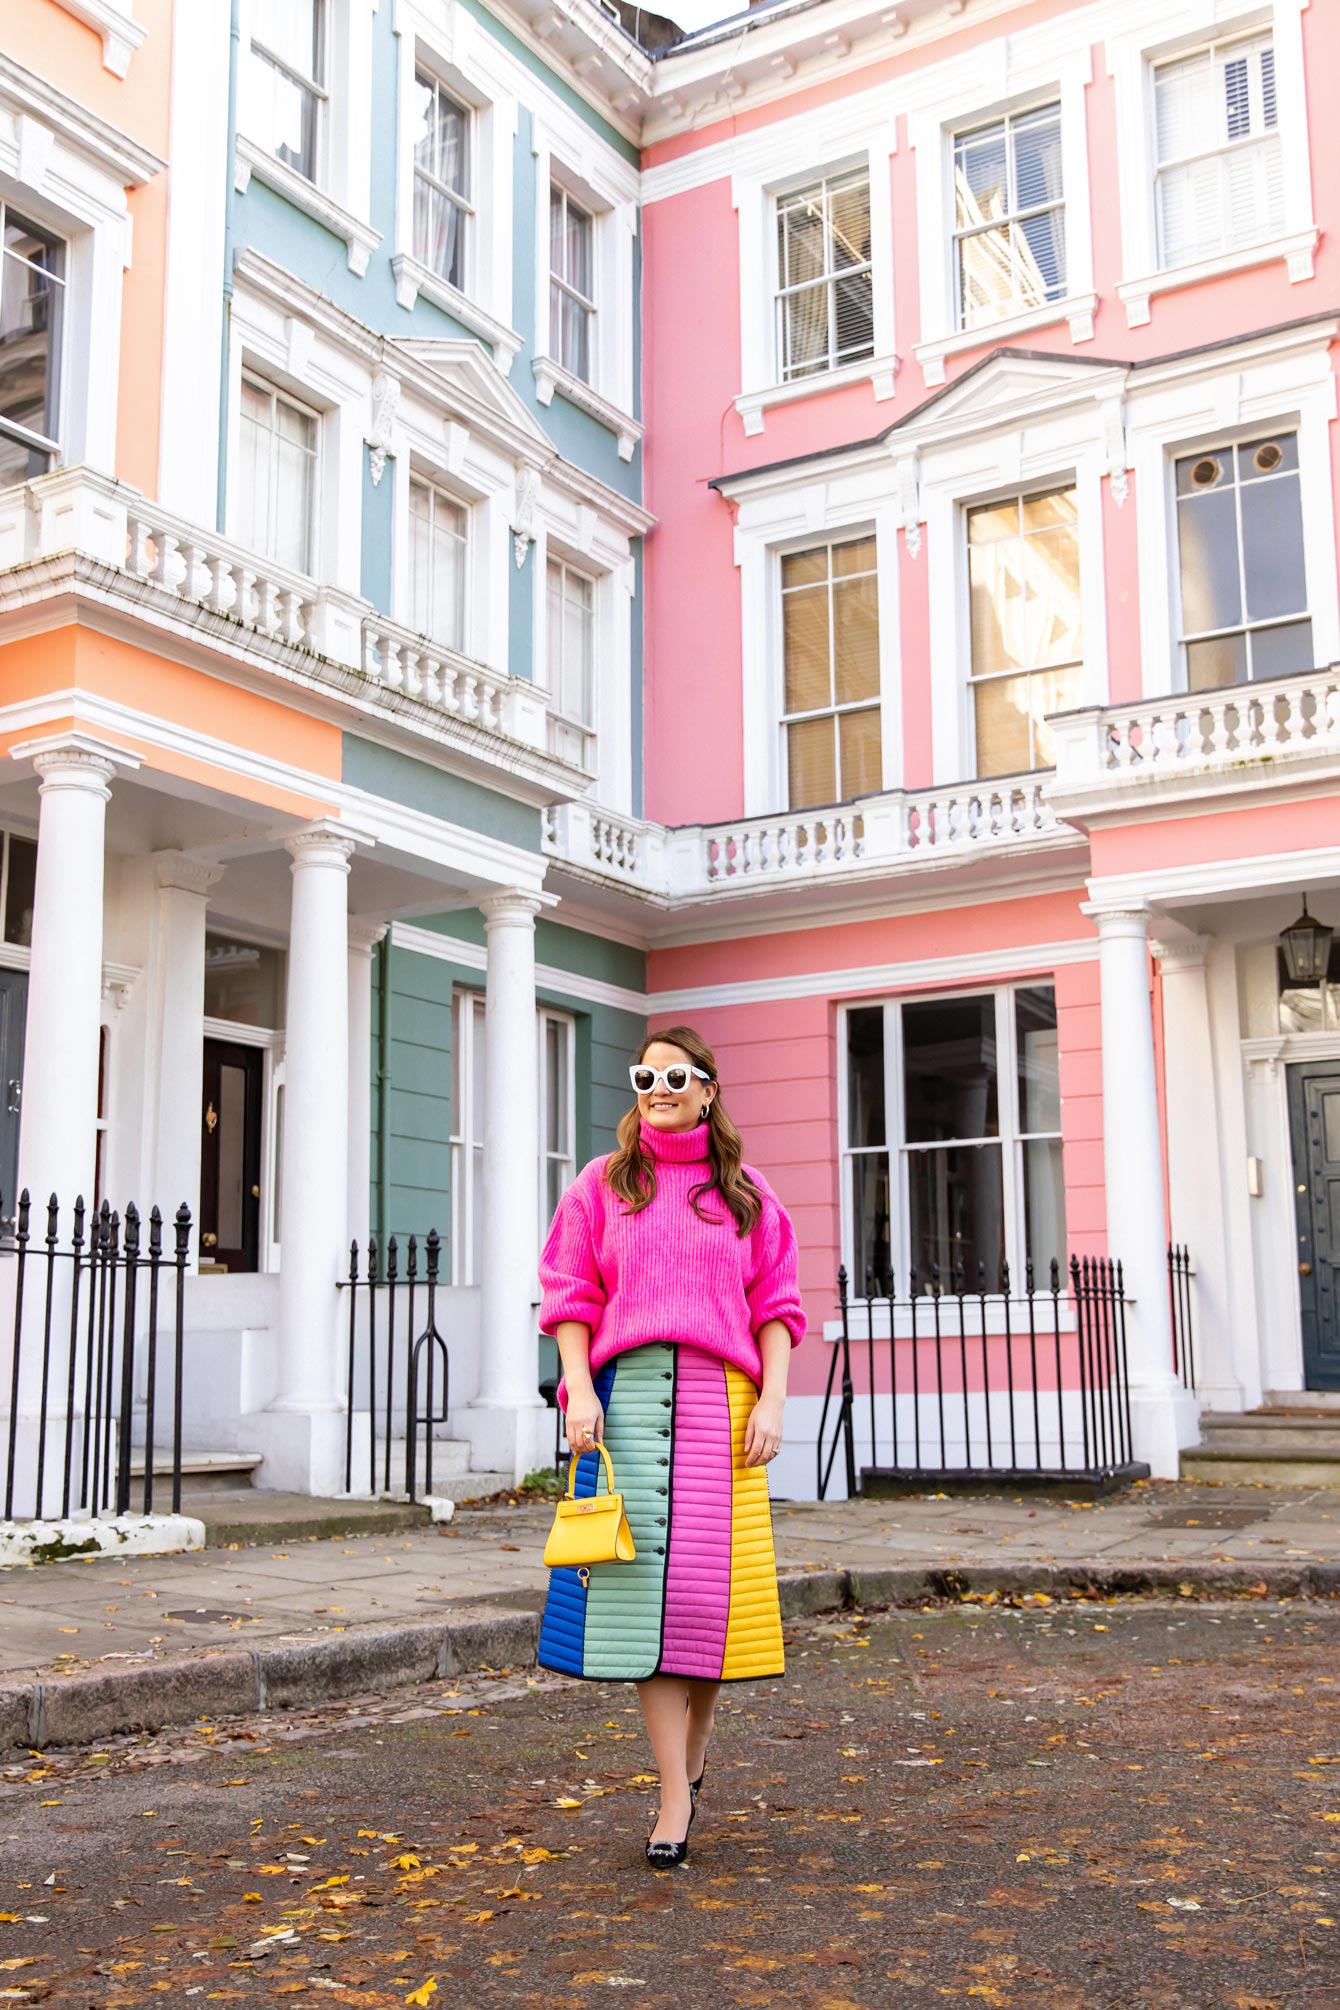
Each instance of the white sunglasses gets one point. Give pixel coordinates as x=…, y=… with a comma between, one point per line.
x=675, y=1078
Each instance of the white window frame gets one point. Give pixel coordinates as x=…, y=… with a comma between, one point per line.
x=261, y=380
x=1276, y=384
x=1007, y=122
x=569, y=529
x=467, y=1025
x=591, y=727
x=1162, y=34
x=459, y=199
x=1011, y=1138
x=1030, y=491
x=754, y=196
x=1246, y=626
x=421, y=478
x=832, y=364
x=569, y=154
x=1013, y=76
x=315, y=87
x=467, y=1130
x=72, y=173
x=11, y=432
x=548, y=1015
x=566, y=287
x=341, y=197
x=467, y=63
x=785, y=719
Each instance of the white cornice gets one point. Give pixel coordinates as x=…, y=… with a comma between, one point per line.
x=359, y=238
x=936, y=971
x=119, y=156
x=548, y=977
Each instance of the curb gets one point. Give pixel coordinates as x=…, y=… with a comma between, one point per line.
x=302, y=1671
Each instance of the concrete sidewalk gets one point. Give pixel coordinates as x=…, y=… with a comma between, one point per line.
x=91, y=1648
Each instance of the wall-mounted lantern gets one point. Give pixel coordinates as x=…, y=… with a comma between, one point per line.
x=1306, y=949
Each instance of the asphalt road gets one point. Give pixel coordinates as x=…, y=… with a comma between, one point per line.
x=1084, y=1805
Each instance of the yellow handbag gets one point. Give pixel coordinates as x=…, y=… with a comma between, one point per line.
x=592, y=1530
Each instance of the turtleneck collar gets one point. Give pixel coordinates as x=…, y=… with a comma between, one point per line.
x=675, y=1147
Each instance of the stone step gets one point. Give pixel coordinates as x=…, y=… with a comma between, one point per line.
x=1303, y=1424
x=1249, y=1442
x=1302, y=1399
x=1248, y=1468
x=201, y=1472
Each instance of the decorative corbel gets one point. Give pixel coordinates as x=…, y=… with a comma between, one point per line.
x=907, y=479
x=381, y=431
x=1114, y=449
x=523, y=513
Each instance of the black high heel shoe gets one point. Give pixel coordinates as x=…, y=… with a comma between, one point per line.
x=695, y=1785
x=669, y=1855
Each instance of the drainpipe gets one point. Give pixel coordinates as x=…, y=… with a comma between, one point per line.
x=383, y=1090
x=225, y=372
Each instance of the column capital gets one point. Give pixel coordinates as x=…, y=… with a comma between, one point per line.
x=513, y=906
x=1121, y=918
x=327, y=841
x=75, y=761
x=1183, y=952
x=364, y=935
x=177, y=871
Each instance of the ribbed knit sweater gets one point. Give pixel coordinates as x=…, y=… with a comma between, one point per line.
x=665, y=1273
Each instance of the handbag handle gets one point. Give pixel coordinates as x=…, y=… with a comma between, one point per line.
x=572, y=1470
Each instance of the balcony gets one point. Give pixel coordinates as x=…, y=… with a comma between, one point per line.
x=1190, y=745
x=81, y=534
x=913, y=831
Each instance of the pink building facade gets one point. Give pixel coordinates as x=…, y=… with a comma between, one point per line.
x=990, y=393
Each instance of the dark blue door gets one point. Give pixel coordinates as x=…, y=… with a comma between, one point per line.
x=1314, y=1122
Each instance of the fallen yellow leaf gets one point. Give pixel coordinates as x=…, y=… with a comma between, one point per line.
x=477, y=1918
x=424, y=1993
x=566, y=1801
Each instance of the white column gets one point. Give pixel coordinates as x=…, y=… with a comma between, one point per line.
x=176, y=1034
x=363, y=939
x=507, y=1420
x=1196, y=1164
x=302, y=1431
x=1137, y=1229
x=60, y=1086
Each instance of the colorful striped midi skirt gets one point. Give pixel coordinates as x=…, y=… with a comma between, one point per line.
x=701, y=1598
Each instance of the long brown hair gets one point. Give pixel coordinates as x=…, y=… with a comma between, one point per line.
x=631, y=1171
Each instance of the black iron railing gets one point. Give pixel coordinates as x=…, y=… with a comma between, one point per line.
x=398, y=1371
x=95, y=1313
x=1181, y=1273
x=980, y=1385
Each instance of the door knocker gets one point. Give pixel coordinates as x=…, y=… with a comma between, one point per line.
x=211, y=1119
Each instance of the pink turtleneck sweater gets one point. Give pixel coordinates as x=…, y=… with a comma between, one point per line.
x=665, y=1273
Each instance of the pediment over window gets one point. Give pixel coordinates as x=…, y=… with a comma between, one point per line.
x=474, y=386
x=1005, y=387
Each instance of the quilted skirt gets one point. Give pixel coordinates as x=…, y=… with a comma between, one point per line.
x=701, y=1598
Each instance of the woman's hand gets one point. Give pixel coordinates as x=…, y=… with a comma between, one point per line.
x=763, y=1432
x=586, y=1419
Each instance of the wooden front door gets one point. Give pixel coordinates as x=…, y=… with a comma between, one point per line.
x=230, y=1156
x=1314, y=1124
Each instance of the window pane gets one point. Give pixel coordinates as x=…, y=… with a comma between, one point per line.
x=1211, y=665
x=1207, y=531
x=19, y=891
x=284, y=112
x=232, y=1139
x=440, y=135
x=853, y=317
x=849, y=210
x=243, y=982
x=858, y=556
x=254, y=435
x=439, y=232
x=856, y=639
x=1044, y=1206
x=31, y=302
x=420, y=558
x=1039, y=1059
x=981, y=176
x=1039, y=259
x=811, y=767
x=1282, y=652
x=860, y=763
x=1272, y=547
x=865, y=1077
x=800, y=238
x=986, y=276
x=1052, y=691
x=806, y=568
x=997, y=606
x=1058, y=506
x=871, y=1253
x=949, y=1069
x=1054, y=632
x=1037, y=159
x=1001, y=716
x=805, y=329
x=292, y=29
x=805, y=650
x=957, y=1216
x=295, y=467
x=477, y=1076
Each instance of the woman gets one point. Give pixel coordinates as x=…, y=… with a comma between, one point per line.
x=669, y=1280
